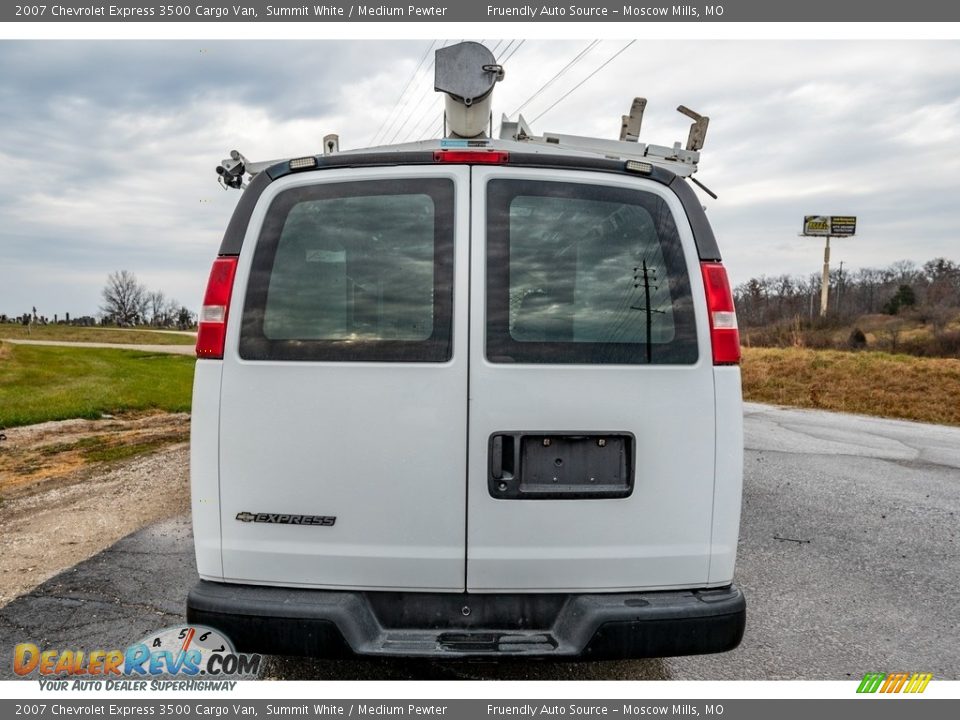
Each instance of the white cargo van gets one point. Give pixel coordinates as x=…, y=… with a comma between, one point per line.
x=469, y=397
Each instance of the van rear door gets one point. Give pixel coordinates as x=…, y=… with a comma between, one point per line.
x=343, y=416
x=591, y=417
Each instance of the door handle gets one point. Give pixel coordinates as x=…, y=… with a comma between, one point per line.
x=496, y=457
x=502, y=460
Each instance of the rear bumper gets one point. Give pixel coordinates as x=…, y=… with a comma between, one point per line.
x=320, y=623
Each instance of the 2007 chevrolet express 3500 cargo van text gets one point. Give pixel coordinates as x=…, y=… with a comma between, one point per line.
x=470, y=397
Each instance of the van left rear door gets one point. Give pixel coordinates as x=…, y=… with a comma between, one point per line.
x=345, y=384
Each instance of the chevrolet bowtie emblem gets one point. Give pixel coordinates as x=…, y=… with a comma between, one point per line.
x=245, y=516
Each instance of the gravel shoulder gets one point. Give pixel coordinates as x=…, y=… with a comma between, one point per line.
x=59, y=507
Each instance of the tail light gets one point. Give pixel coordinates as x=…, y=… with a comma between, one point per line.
x=724, y=335
x=216, y=306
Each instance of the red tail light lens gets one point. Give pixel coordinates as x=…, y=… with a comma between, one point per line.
x=724, y=335
x=216, y=305
x=472, y=157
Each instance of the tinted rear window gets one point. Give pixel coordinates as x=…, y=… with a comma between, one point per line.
x=358, y=271
x=582, y=273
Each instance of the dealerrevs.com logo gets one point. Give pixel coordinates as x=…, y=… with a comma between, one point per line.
x=202, y=656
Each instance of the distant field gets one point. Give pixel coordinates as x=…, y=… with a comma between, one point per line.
x=69, y=333
x=868, y=383
x=40, y=383
x=909, y=333
x=54, y=383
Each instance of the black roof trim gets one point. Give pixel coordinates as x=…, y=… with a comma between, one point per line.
x=702, y=232
x=237, y=228
x=706, y=241
x=575, y=162
x=341, y=160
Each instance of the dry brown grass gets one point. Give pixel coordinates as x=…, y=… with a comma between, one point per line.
x=46, y=454
x=867, y=383
x=73, y=333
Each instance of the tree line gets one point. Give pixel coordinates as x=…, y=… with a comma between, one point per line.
x=932, y=289
x=128, y=303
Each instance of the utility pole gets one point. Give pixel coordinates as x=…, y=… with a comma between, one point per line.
x=647, y=274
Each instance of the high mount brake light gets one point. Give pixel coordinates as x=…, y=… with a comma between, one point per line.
x=212, y=332
x=472, y=157
x=724, y=335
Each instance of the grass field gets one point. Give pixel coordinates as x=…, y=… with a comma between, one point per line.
x=868, y=383
x=56, y=383
x=69, y=333
x=53, y=383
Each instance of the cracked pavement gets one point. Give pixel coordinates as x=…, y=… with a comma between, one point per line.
x=848, y=557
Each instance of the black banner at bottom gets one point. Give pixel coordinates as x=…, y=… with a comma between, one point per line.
x=872, y=707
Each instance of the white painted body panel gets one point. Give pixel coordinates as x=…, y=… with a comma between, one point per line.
x=398, y=451
x=728, y=485
x=204, y=468
x=381, y=446
x=659, y=536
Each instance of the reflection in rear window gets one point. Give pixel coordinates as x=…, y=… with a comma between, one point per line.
x=353, y=271
x=357, y=268
x=582, y=273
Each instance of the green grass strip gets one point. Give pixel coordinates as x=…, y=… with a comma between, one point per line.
x=38, y=383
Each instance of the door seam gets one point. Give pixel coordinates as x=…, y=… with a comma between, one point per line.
x=466, y=479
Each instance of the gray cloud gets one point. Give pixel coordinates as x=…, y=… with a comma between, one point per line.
x=108, y=147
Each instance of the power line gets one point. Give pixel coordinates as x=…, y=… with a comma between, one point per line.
x=402, y=92
x=403, y=110
x=579, y=84
x=512, y=52
x=419, y=99
x=556, y=77
x=437, y=104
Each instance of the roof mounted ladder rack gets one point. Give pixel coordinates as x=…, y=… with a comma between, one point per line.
x=682, y=161
x=231, y=170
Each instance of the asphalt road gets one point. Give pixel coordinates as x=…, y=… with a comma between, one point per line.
x=848, y=557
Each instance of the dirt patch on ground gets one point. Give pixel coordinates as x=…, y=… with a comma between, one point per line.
x=40, y=457
x=70, y=489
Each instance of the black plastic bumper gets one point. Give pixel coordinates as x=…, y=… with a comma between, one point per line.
x=321, y=623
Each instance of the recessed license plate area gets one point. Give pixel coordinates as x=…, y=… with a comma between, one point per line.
x=574, y=466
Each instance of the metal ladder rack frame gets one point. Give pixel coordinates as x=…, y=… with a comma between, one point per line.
x=679, y=160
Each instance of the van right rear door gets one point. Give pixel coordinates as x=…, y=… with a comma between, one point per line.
x=591, y=414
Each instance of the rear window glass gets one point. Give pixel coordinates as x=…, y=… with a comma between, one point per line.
x=582, y=273
x=358, y=271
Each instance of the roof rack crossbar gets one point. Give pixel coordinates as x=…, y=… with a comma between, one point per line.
x=680, y=160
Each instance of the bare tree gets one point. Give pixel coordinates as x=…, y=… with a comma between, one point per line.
x=157, y=303
x=185, y=318
x=171, y=311
x=124, y=298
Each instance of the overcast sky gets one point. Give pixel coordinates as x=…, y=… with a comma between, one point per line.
x=108, y=148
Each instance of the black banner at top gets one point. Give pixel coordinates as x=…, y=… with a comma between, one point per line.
x=480, y=11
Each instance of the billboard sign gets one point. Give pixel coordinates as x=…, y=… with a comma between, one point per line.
x=833, y=225
x=841, y=225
